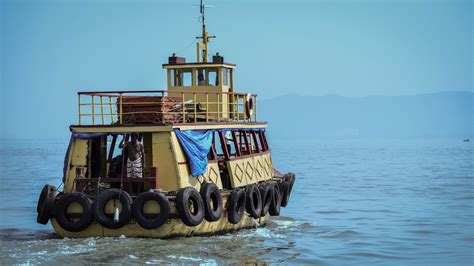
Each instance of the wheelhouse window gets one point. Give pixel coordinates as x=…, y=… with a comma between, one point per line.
x=181, y=77
x=213, y=77
x=207, y=77
x=226, y=76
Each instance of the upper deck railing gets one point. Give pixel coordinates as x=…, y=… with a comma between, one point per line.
x=163, y=106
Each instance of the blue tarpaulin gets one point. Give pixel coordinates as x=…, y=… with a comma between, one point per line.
x=196, y=144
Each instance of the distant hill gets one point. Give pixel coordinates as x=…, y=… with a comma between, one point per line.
x=436, y=115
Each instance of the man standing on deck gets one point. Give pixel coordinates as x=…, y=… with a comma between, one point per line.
x=136, y=156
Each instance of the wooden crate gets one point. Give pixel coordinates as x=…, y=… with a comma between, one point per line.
x=149, y=109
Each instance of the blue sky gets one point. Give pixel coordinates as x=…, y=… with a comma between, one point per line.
x=51, y=49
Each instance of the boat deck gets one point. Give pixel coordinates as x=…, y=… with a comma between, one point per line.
x=163, y=107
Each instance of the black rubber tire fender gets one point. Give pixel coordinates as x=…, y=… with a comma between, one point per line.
x=158, y=220
x=212, y=199
x=236, y=206
x=266, y=193
x=61, y=206
x=284, y=187
x=45, y=204
x=275, y=206
x=253, y=201
x=105, y=196
x=290, y=179
x=190, y=206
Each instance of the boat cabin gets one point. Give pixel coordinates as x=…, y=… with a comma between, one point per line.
x=200, y=98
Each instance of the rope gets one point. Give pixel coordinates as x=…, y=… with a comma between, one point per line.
x=184, y=49
x=123, y=163
x=58, y=187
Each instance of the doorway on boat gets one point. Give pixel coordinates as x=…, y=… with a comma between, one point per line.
x=117, y=160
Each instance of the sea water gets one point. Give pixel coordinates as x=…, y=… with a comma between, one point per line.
x=360, y=202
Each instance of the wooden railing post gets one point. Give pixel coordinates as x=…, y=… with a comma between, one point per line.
x=111, y=109
x=182, y=106
x=102, y=110
x=233, y=106
x=93, y=111
x=218, y=109
x=195, y=107
x=207, y=107
x=120, y=109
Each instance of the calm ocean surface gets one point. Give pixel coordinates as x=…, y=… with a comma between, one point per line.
x=390, y=202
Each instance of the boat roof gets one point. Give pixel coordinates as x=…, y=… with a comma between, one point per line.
x=165, y=128
x=198, y=65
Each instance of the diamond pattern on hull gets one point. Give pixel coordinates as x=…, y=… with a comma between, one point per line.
x=239, y=173
x=249, y=170
x=258, y=169
x=213, y=176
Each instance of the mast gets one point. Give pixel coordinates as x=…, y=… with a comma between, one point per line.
x=202, y=48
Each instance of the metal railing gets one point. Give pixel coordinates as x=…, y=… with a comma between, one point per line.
x=159, y=107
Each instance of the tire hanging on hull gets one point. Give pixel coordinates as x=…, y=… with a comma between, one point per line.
x=191, y=214
x=45, y=204
x=253, y=201
x=212, y=199
x=266, y=193
x=143, y=219
x=61, y=215
x=286, y=188
x=106, y=219
x=236, y=206
x=275, y=205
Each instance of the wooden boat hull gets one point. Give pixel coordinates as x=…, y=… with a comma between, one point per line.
x=173, y=228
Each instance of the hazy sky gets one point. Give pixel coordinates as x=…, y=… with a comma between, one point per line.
x=51, y=49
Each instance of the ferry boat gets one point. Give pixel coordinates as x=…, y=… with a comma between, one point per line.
x=190, y=160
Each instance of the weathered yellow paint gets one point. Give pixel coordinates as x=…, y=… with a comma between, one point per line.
x=250, y=170
x=212, y=174
x=261, y=172
x=237, y=172
x=185, y=178
x=148, y=146
x=267, y=166
x=77, y=158
x=165, y=161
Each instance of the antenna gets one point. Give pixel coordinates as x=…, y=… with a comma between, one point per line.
x=202, y=48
